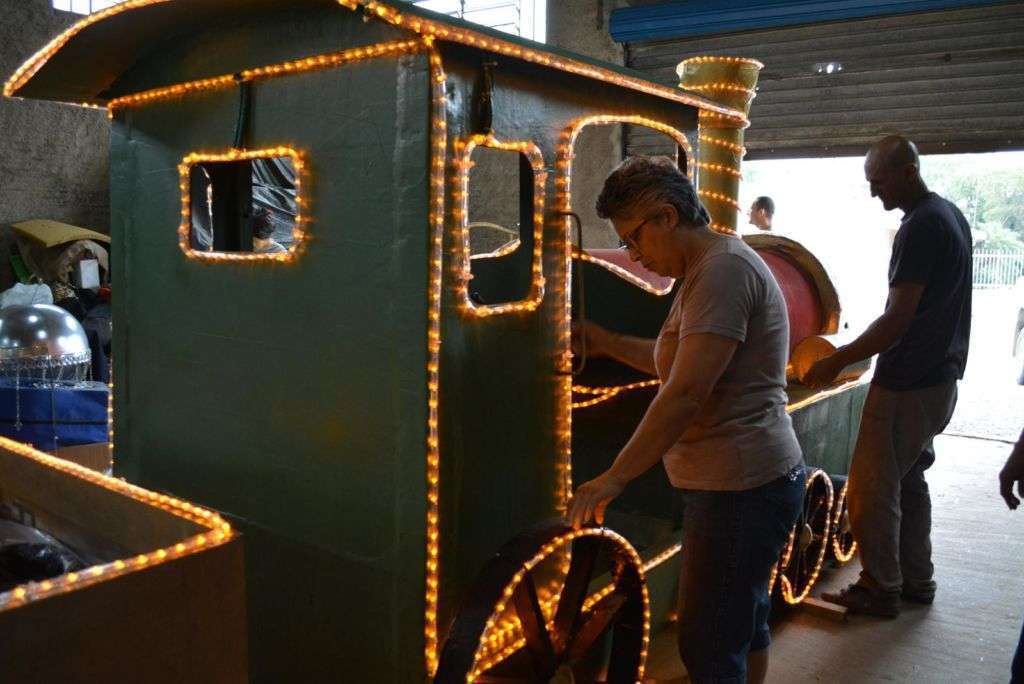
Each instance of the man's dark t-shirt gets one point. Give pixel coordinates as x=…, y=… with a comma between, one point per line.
x=932, y=248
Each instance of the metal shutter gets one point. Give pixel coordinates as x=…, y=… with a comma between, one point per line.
x=951, y=80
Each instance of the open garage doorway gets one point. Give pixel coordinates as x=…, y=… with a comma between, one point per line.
x=826, y=204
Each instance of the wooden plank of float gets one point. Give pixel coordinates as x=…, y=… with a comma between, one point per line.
x=180, y=621
x=87, y=516
x=824, y=609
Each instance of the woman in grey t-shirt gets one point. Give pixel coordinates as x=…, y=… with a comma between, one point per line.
x=719, y=421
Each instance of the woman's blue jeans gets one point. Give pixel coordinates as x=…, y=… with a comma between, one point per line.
x=731, y=540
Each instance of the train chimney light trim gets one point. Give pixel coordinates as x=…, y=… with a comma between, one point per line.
x=731, y=81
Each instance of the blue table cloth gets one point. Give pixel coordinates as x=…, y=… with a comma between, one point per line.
x=49, y=418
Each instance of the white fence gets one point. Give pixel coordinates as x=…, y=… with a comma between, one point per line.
x=997, y=269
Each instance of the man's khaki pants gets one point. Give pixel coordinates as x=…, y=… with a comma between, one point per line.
x=890, y=507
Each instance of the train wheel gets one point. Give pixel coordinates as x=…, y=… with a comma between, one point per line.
x=810, y=539
x=783, y=562
x=520, y=625
x=843, y=545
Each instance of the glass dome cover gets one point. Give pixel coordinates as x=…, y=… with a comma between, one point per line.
x=40, y=337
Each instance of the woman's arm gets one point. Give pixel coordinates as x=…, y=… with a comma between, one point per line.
x=689, y=384
x=635, y=352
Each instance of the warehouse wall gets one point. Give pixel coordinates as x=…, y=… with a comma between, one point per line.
x=582, y=26
x=53, y=157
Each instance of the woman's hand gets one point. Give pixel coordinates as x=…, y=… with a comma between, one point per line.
x=591, y=498
x=591, y=338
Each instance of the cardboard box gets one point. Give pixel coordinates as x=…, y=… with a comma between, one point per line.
x=92, y=456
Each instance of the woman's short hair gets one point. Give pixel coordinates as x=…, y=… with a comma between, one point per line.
x=640, y=181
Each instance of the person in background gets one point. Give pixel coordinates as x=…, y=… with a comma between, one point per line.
x=922, y=340
x=262, y=232
x=1013, y=474
x=718, y=423
x=760, y=213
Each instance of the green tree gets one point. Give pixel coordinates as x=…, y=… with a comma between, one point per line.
x=999, y=239
x=992, y=199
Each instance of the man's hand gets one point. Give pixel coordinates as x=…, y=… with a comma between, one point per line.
x=823, y=372
x=591, y=498
x=1012, y=472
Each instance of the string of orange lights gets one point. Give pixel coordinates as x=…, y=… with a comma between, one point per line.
x=624, y=274
x=722, y=59
x=720, y=168
x=788, y=594
x=727, y=144
x=462, y=164
x=218, y=531
x=719, y=197
x=506, y=637
x=447, y=32
x=563, y=202
x=34, y=63
x=185, y=227
x=501, y=640
x=842, y=555
x=323, y=61
x=110, y=416
x=721, y=87
x=439, y=150
x=425, y=27
x=428, y=30
x=483, y=662
x=603, y=394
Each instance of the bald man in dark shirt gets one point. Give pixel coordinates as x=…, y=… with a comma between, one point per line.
x=922, y=340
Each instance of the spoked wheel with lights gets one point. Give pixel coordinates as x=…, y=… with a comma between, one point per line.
x=781, y=563
x=805, y=551
x=532, y=615
x=843, y=545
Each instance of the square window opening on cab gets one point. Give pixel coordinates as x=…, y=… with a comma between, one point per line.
x=501, y=220
x=242, y=205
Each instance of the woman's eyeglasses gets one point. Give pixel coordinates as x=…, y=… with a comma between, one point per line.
x=629, y=241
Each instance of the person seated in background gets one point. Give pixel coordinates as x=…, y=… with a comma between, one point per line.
x=262, y=232
x=760, y=213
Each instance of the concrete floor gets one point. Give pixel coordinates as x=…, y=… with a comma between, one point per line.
x=991, y=403
x=967, y=636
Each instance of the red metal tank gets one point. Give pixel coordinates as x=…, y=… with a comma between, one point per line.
x=811, y=299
